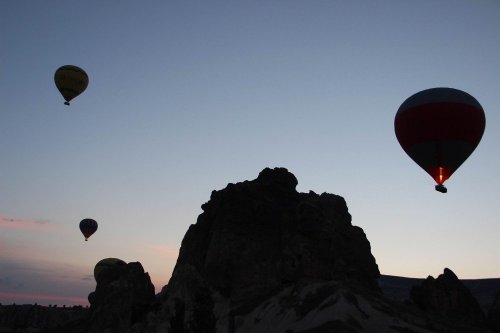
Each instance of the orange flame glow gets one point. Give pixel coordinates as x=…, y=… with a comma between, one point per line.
x=441, y=174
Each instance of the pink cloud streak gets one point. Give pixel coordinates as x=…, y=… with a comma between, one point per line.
x=29, y=225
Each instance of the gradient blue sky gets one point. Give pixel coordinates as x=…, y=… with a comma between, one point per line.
x=187, y=96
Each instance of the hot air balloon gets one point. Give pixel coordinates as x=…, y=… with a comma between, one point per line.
x=91, y=298
x=109, y=269
x=71, y=81
x=88, y=227
x=439, y=128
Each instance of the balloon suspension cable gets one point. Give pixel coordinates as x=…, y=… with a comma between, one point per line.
x=66, y=103
x=441, y=188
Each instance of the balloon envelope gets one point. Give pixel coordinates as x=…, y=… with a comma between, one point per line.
x=91, y=298
x=71, y=81
x=439, y=128
x=109, y=269
x=88, y=227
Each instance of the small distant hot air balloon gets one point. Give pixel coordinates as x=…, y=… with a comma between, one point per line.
x=88, y=227
x=439, y=128
x=71, y=81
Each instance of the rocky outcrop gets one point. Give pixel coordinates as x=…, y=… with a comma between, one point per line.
x=263, y=257
x=121, y=302
x=398, y=288
x=446, y=297
x=255, y=239
x=122, y=298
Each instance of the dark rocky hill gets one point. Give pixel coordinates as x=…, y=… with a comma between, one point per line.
x=263, y=257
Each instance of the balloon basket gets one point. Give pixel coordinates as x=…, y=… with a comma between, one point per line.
x=441, y=188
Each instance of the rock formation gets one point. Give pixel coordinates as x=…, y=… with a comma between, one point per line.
x=264, y=257
x=447, y=297
x=398, y=288
x=280, y=236
x=123, y=296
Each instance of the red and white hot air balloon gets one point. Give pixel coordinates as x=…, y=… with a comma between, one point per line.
x=439, y=128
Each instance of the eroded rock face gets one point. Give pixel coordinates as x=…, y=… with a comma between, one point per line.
x=121, y=300
x=448, y=298
x=258, y=237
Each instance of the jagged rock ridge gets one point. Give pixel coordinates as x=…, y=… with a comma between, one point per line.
x=122, y=298
x=447, y=297
x=255, y=236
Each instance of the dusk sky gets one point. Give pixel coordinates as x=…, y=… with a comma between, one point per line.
x=185, y=97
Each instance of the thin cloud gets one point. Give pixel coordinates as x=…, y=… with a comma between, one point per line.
x=25, y=280
x=6, y=282
x=29, y=225
x=42, y=221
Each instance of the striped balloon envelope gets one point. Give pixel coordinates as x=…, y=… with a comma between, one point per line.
x=439, y=128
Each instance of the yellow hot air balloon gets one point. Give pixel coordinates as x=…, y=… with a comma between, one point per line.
x=71, y=81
